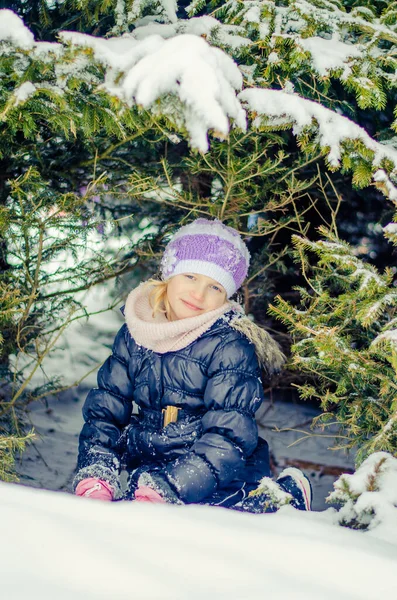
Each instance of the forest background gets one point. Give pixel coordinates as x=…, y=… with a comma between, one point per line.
x=122, y=120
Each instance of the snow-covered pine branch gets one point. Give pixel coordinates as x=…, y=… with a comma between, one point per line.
x=335, y=252
x=165, y=9
x=171, y=70
x=161, y=63
x=13, y=30
x=231, y=37
x=275, y=109
x=156, y=72
x=369, y=496
x=390, y=232
x=321, y=37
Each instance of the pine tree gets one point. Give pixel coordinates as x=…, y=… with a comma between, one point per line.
x=344, y=334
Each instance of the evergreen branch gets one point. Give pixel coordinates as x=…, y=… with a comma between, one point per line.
x=275, y=260
x=71, y=291
x=66, y=387
x=28, y=379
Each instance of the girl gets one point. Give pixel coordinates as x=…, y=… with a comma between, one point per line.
x=189, y=360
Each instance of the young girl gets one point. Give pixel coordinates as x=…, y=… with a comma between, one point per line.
x=188, y=359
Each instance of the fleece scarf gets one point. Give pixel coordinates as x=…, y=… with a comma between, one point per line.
x=159, y=334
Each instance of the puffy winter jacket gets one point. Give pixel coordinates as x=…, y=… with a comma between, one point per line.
x=215, y=382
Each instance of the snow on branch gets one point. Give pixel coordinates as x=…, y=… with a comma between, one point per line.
x=278, y=108
x=369, y=496
x=13, y=30
x=166, y=8
x=231, y=36
x=23, y=92
x=387, y=337
x=172, y=70
x=390, y=232
x=333, y=15
x=330, y=55
x=322, y=38
x=202, y=78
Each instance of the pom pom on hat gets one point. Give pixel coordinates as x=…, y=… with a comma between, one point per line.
x=209, y=248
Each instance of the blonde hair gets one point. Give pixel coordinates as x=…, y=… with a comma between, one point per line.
x=158, y=298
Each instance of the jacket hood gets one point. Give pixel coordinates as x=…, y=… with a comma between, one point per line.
x=269, y=354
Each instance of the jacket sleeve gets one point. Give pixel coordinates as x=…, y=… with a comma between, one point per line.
x=106, y=411
x=232, y=395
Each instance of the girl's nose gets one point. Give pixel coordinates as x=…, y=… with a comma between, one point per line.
x=197, y=293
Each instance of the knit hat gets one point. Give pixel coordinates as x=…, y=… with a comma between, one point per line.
x=208, y=248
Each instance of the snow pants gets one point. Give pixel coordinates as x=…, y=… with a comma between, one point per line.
x=256, y=467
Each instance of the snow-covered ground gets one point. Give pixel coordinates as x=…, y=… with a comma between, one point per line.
x=59, y=546
x=63, y=547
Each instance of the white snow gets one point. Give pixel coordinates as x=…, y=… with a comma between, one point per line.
x=63, y=547
x=119, y=53
x=23, y=92
x=166, y=9
x=390, y=228
x=374, y=484
x=380, y=176
x=273, y=58
x=389, y=335
x=12, y=29
x=120, y=12
x=211, y=28
x=170, y=8
x=331, y=54
x=253, y=15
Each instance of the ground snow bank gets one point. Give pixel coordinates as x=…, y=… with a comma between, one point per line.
x=60, y=546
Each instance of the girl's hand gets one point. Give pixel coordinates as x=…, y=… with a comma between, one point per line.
x=94, y=488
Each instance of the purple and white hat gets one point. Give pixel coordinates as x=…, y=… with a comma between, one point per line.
x=208, y=248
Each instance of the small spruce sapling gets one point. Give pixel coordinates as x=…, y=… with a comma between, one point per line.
x=369, y=496
x=344, y=338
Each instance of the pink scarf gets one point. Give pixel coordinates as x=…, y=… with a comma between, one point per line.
x=158, y=333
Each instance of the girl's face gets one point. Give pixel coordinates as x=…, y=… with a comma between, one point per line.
x=191, y=294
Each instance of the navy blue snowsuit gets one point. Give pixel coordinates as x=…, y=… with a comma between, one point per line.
x=211, y=454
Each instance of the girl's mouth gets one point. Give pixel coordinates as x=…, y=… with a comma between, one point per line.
x=191, y=306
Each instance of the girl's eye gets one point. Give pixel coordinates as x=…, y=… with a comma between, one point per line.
x=215, y=287
x=190, y=276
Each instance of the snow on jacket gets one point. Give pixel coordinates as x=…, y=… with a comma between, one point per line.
x=214, y=381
